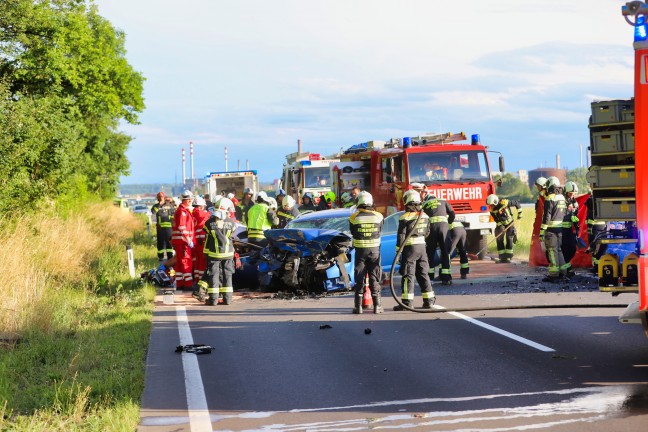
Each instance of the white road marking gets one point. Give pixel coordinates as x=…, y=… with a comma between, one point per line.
x=500, y=331
x=199, y=419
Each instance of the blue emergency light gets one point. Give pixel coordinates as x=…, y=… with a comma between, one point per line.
x=640, y=29
x=306, y=163
x=474, y=139
x=407, y=142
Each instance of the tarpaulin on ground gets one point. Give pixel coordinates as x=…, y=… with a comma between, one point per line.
x=537, y=258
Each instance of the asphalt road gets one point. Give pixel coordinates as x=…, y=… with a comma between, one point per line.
x=308, y=364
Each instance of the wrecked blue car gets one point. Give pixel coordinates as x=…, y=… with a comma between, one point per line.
x=311, y=260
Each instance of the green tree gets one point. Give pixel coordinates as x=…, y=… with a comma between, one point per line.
x=513, y=188
x=579, y=176
x=65, y=53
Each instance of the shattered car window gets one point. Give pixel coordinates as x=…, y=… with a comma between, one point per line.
x=339, y=224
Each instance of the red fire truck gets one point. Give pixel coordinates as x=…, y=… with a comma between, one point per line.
x=458, y=172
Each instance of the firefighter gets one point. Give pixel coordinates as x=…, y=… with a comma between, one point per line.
x=570, y=227
x=274, y=207
x=209, y=205
x=440, y=213
x=502, y=213
x=457, y=239
x=200, y=216
x=326, y=201
x=421, y=189
x=414, y=262
x=540, y=184
x=288, y=211
x=260, y=218
x=232, y=197
x=366, y=228
x=595, y=231
x=355, y=192
x=244, y=206
x=347, y=200
x=551, y=229
x=280, y=196
x=219, y=250
x=307, y=204
x=163, y=211
x=182, y=238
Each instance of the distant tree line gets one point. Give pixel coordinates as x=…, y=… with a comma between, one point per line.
x=65, y=85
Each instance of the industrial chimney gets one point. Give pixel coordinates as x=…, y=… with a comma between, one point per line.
x=558, y=161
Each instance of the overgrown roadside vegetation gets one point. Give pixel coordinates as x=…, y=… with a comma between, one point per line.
x=74, y=324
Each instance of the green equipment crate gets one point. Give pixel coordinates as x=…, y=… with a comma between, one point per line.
x=616, y=209
x=605, y=112
x=621, y=176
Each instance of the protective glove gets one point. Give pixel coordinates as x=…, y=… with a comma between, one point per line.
x=191, y=245
x=238, y=263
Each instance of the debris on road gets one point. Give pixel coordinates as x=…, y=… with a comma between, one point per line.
x=195, y=349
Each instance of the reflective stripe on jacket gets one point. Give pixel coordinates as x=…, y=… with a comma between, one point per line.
x=218, y=238
x=406, y=224
x=366, y=228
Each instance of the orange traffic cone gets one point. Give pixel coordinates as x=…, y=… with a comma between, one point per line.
x=367, y=303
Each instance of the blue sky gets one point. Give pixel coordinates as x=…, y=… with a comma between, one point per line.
x=256, y=75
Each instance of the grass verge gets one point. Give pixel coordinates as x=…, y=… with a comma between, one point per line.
x=76, y=323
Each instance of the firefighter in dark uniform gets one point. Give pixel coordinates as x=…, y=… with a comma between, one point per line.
x=457, y=239
x=288, y=211
x=244, y=205
x=502, y=213
x=595, y=232
x=260, y=217
x=570, y=227
x=366, y=228
x=163, y=211
x=307, y=204
x=551, y=229
x=440, y=213
x=219, y=251
x=414, y=262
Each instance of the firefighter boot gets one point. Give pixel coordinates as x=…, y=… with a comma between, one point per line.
x=401, y=308
x=357, y=303
x=212, y=300
x=377, y=303
x=227, y=298
x=428, y=302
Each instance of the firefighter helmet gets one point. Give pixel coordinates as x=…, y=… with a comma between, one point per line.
x=288, y=202
x=553, y=181
x=248, y=191
x=572, y=187
x=224, y=204
x=329, y=196
x=308, y=195
x=160, y=196
x=541, y=181
x=272, y=203
x=492, y=200
x=186, y=195
x=411, y=197
x=262, y=196
x=346, y=198
x=365, y=199
x=281, y=192
x=199, y=202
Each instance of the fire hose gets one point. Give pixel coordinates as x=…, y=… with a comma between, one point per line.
x=440, y=309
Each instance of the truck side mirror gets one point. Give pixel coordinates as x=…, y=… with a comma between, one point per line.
x=501, y=164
